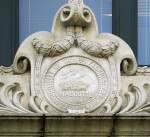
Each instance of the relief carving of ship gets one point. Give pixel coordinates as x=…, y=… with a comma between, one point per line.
x=74, y=86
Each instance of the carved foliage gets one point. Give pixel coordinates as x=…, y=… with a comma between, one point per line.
x=75, y=17
x=55, y=48
x=137, y=99
x=94, y=48
x=10, y=101
x=90, y=47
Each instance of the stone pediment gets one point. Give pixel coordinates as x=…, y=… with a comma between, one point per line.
x=74, y=69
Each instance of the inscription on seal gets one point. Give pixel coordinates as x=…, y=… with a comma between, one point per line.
x=75, y=83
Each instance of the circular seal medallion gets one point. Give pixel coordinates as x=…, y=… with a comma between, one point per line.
x=75, y=83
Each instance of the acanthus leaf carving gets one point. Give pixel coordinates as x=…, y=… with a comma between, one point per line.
x=6, y=104
x=74, y=69
x=137, y=100
x=32, y=104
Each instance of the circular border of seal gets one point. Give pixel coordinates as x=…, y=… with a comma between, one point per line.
x=49, y=91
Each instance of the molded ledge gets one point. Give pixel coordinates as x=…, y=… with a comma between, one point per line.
x=89, y=125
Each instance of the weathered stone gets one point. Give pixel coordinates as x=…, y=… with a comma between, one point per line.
x=74, y=69
x=74, y=125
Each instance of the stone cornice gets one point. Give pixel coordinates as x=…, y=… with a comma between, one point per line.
x=74, y=124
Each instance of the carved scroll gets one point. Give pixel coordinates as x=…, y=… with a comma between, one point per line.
x=129, y=66
x=73, y=70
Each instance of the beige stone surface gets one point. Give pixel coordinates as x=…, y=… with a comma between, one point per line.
x=66, y=125
x=74, y=69
x=74, y=82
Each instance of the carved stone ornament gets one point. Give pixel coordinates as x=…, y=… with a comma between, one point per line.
x=74, y=69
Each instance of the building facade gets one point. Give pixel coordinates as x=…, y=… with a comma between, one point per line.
x=74, y=80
